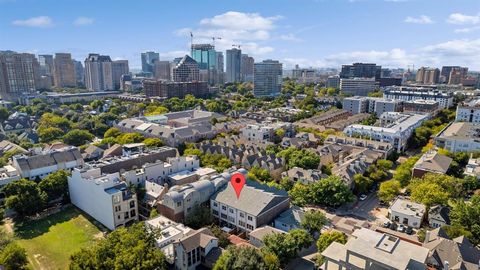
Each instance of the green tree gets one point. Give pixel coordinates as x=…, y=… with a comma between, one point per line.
x=259, y=174
x=428, y=193
x=222, y=236
x=244, y=258
x=153, y=142
x=112, y=132
x=300, y=194
x=4, y=113
x=154, y=213
x=331, y=191
x=77, y=137
x=25, y=197
x=199, y=217
x=55, y=185
x=302, y=158
x=287, y=245
x=403, y=173
x=328, y=238
x=13, y=257
x=127, y=138
x=467, y=215
x=124, y=248
x=50, y=134
x=362, y=183
x=313, y=221
x=388, y=190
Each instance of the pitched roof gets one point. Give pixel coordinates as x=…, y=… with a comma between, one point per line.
x=434, y=162
x=441, y=213
x=261, y=232
x=199, y=238
x=265, y=197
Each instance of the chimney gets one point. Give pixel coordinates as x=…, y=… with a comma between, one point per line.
x=427, y=237
x=446, y=265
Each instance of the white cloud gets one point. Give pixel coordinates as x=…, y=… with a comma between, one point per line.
x=462, y=19
x=173, y=54
x=250, y=30
x=40, y=21
x=467, y=29
x=82, y=21
x=423, y=19
x=240, y=21
x=464, y=52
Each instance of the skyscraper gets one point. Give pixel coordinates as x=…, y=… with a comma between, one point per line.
x=162, y=70
x=119, y=68
x=19, y=74
x=186, y=70
x=220, y=68
x=246, y=68
x=234, y=62
x=267, y=78
x=427, y=75
x=79, y=73
x=148, y=59
x=46, y=64
x=98, y=72
x=64, y=71
x=361, y=70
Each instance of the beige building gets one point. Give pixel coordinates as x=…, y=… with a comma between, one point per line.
x=371, y=250
x=64, y=71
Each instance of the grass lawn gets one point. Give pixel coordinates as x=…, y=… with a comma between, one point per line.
x=50, y=241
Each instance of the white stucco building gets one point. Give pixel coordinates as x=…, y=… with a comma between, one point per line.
x=407, y=212
x=103, y=196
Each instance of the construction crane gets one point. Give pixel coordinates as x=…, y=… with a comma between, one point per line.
x=214, y=38
x=237, y=46
x=191, y=39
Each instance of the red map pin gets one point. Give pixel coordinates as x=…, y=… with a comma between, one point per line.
x=237, y=181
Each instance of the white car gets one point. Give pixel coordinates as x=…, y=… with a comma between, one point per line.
x=363, y=197
x=401, y=228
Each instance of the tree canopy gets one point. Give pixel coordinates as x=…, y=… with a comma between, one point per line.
x=124, y=248
x=330, y=191
x=246, y=258
x=287, y=245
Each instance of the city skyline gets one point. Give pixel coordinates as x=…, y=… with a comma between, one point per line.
x=312, y=33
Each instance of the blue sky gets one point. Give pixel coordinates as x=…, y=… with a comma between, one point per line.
x=317, y=33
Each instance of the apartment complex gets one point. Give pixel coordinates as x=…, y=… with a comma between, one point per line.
x=119, y=68
x=64, y=71
x=243, y=215
x=459, y=137
x=267, y=78
x=361, y=70
x=264, y=131
x=19, y=75
x=396, y=128
x=371, y=250
x=103, y=196
x=468, y=111
x=411, y=93
x=165, y=89
x=358, y=86
x=186, y=70
x=427, y=75
x=98, y=72
x=357, y=104
x=42, y=164
x=246, y=68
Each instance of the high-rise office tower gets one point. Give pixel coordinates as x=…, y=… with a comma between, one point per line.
x=246, y=68
x=220, y=68
x=361, y=70
x=162, y=70
x=19, y=75
x=148, y=58
x=119, y=68
x=186, y=70
x=46, y=64
x=206, y=57
x=98, y=72
x=267, y=78
x=427, y=75
x=234, y=62
x=64, y=71
x=79, y=73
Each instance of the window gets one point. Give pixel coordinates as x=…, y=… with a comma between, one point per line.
x=126, y=215
x=179, y=204
x=215, y=204
x=215, y=212
x=223, y=216
x=132, y=213
x=224, y=207
x=230, y=210
x=241, y=223
x=242, y=215
x=132, y=204
x=118, y=208
x=250, y=218
x=250, y=227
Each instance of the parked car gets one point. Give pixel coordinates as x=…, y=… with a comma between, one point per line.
x=409, y=230
x=393, y=226
x=401, y=228
x=387, y=224
x=363, y=197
